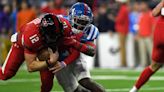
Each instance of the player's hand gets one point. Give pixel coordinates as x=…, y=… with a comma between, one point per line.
x=53, y=57
x=57, y=67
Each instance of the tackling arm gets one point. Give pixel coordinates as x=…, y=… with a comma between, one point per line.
x=74, y=54
x=87, y=48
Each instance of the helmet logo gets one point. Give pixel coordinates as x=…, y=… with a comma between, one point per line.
x=48, y=22
x=73, y=11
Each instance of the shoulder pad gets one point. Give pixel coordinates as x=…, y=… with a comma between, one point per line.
x=67, y=27
x=92, y=32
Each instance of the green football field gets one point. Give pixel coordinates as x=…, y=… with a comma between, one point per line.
x=113, y=80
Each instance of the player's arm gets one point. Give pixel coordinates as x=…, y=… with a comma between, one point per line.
x=71, y=42
x=157, y=10
x=35, y=65
x=73, y=55
x=87, y=49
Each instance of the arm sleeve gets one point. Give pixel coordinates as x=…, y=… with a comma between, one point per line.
x=74, y=54
x=29, y=51
x=86, y=48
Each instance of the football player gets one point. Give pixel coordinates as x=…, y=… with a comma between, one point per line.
x=75, y=73
x=80, y=16
x=158, y=49
x=40, y=33
x=25, y=45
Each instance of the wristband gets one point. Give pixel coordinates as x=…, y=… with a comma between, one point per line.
x=63, y=64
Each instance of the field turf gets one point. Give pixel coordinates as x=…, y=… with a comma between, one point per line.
x=120, y=80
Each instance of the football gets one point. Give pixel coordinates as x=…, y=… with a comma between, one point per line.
x=43, y=54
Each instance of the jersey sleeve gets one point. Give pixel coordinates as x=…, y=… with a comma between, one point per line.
x=29, y=51
x=31, y=39
x=74, y=54
x=67, y=28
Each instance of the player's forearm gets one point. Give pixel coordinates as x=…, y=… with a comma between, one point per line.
x=82, y=47
x=37, y=66
x=157, y=10
x=33, y=64
x=72, y=57
x=85, y=48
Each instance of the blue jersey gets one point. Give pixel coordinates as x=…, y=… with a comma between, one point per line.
x=133, y=17
x=91, y=32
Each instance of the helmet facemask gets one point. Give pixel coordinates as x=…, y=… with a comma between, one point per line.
x=79, y=23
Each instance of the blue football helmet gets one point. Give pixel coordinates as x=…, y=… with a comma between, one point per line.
x=80, y=16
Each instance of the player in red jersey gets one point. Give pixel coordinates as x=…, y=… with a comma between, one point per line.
x=25, y=45
x=158, y=49
x=69, y=55
x=39, y=33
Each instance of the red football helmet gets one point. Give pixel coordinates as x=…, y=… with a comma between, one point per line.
x=51, y=29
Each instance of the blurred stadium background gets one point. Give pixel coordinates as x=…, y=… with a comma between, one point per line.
x=123, y=47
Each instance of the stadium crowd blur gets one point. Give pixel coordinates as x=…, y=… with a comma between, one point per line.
x=120, y=17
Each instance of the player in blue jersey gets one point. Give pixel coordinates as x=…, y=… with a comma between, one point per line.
x=76, y=74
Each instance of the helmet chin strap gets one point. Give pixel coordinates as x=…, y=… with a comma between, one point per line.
x=75, y=31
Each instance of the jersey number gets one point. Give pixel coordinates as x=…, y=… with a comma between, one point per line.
x=34, y=38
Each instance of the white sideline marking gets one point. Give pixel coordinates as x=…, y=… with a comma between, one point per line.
x=127, y=89
x=100, y=77
x=121, y=70
x=20, y=80
x=122, y=77
x=97, y=77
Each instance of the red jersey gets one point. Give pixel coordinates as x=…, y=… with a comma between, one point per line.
x=30, y=38
x=158, y=44
x=122, y=20
x=146, y=24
